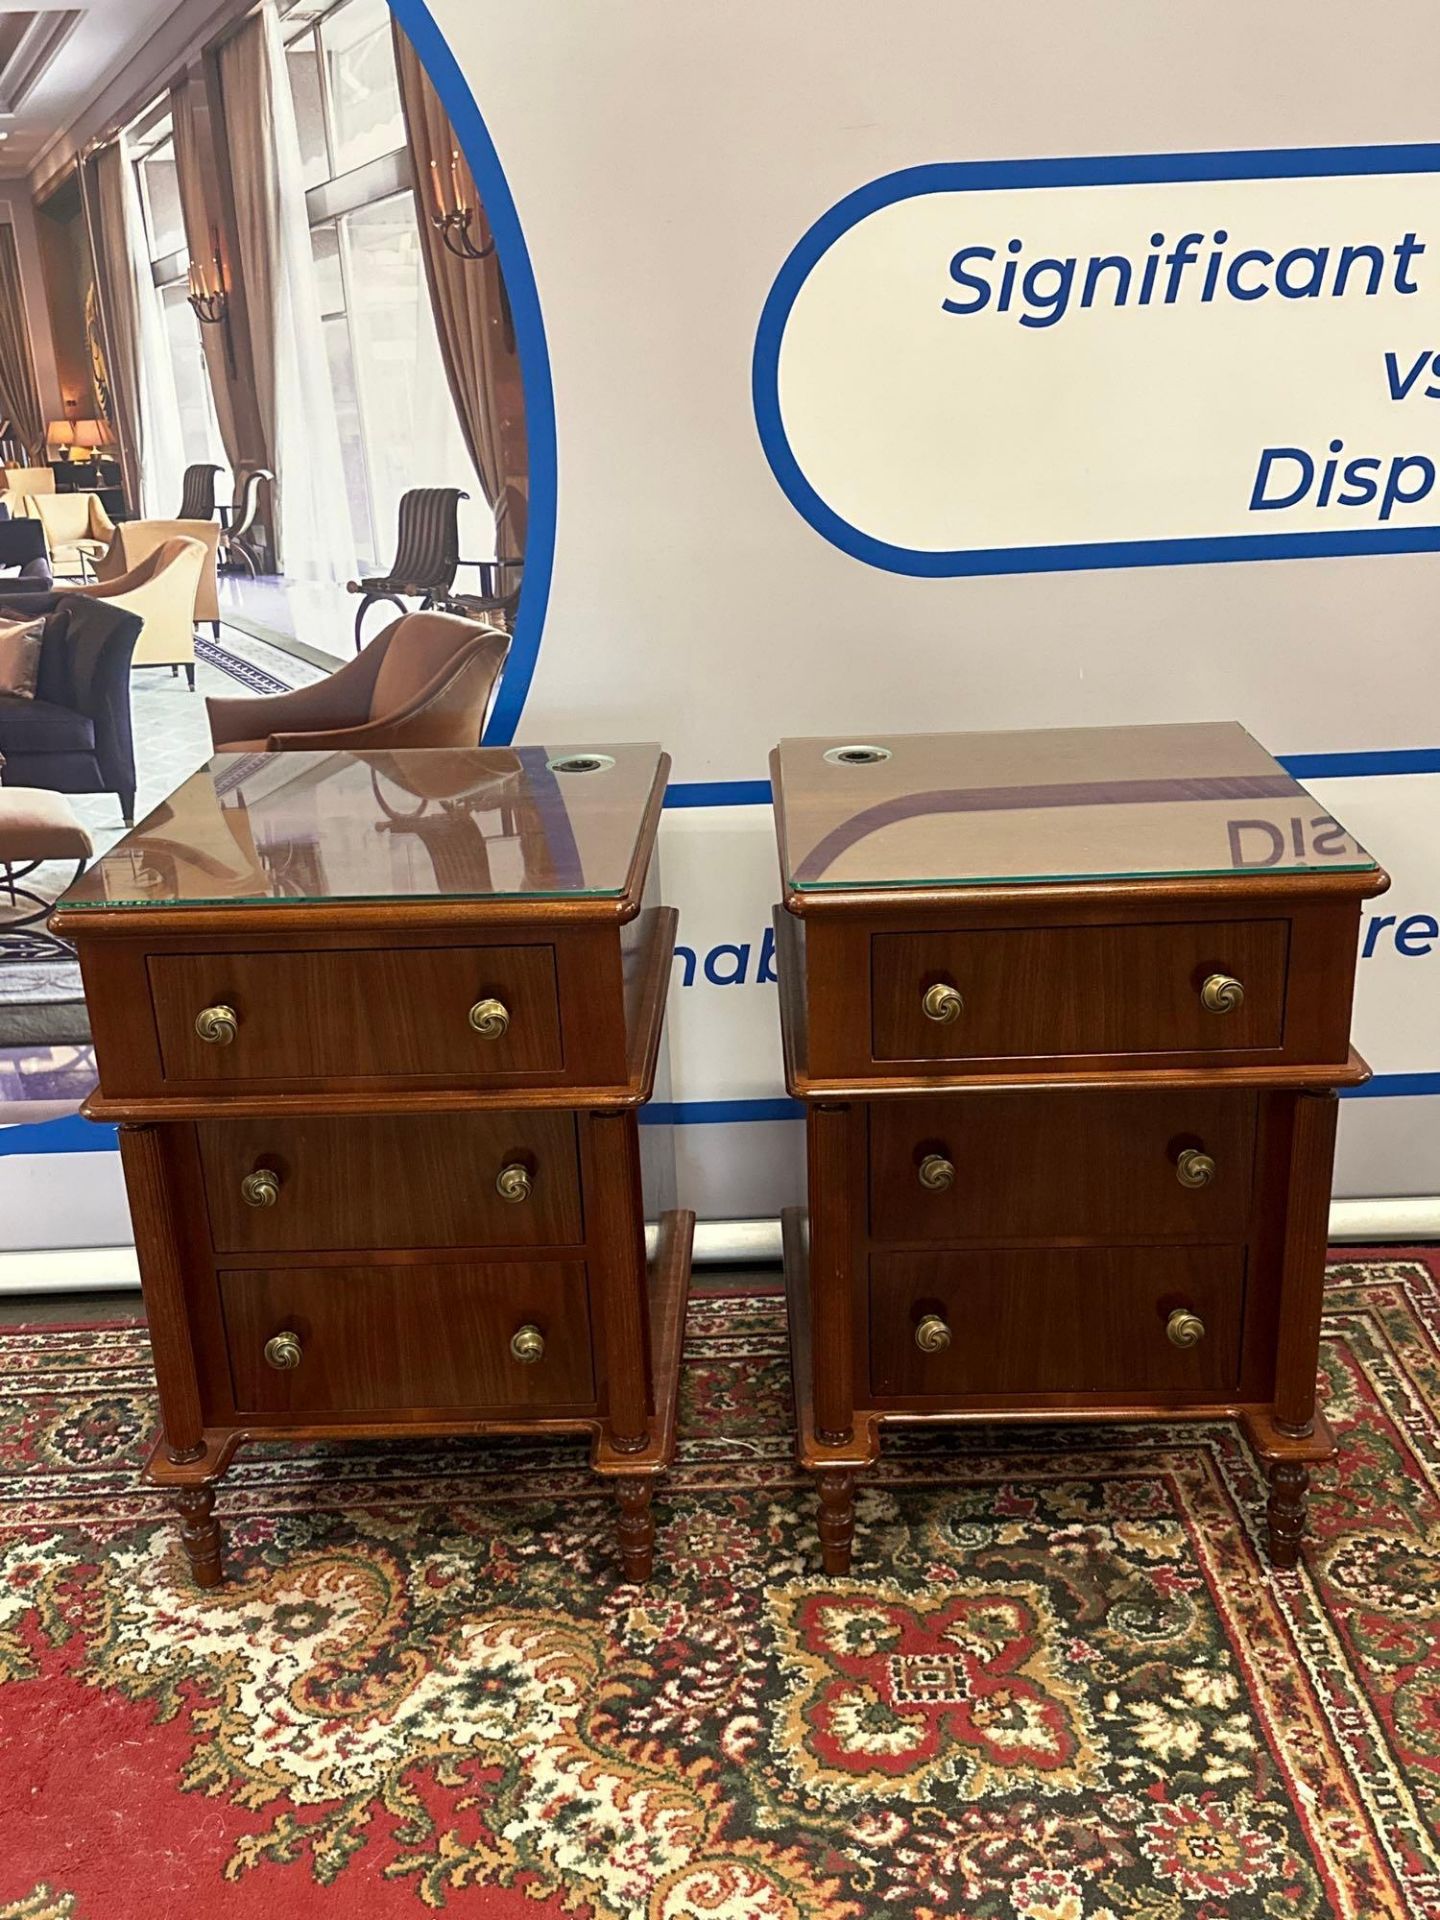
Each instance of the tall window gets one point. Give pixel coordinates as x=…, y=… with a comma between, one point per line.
x=152, y=143
x=398, y=427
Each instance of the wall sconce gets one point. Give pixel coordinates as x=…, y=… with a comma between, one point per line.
x=208, y=295
x=452, y=223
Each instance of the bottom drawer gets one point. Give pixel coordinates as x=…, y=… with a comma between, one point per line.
x=1082, y=1320
x=401, y=1340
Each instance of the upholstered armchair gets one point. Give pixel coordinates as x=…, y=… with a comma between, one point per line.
x=22, y=546
x=135, y=540
x=426, y=681
x=162, y=590
x=77, y=528
x=74, y=736
x=19, y=483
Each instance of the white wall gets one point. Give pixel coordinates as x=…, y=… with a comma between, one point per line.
x=664, y=159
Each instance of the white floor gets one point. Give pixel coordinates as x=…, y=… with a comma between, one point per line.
x=320, y=619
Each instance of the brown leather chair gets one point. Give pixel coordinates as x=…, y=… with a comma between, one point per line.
x=426, y=681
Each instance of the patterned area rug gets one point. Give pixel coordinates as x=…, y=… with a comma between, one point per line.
x=1059, y=1685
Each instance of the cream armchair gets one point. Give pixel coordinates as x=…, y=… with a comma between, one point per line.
x=136, y=540
x=21, y=483
x=162, y=590
x=77, y=528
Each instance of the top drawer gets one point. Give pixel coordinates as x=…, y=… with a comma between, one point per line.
x=1071, y=991
x=464, y=1013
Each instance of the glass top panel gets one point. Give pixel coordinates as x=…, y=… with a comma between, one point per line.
x=1069, y=803
x=436, y=824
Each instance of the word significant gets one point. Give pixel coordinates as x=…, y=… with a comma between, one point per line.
x=1041, y=292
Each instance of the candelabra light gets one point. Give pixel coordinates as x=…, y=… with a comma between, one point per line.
x=208, y=295
x=452, y=219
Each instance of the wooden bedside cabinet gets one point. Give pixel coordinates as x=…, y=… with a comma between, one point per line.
x=1067, y=1011
x=376, y=1029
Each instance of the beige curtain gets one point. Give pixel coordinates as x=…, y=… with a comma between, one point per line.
x=292, y=381
x=104, y=183
x=19, y=400
x=468, y=299
x=245, y=85
x=190, y=175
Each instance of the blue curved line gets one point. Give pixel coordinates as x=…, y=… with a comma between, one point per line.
x=955, y=176
x=479, y=150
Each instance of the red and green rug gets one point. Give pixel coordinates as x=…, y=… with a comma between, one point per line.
x=1060, y=1685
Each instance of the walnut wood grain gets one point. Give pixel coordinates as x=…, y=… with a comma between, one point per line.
x=873, y=1082
x=149, y=1187
x=836, y=1487
x=378, y=1182
x=200, y=1534
x=618, y=1273
x=1285, y=1511
x=1074, y=991
x=357, y=1014
x=828, y=1140
x=633, y=1496
x=1030, y=1165
x=408, y=1340
x=356, y=1077
x=1302, y=1277
x=668, y=1293
x=1073, y=1321
x=1064, y=1242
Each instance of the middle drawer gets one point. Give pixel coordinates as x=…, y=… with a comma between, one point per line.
x=1046, y=1166
x=442, y=1180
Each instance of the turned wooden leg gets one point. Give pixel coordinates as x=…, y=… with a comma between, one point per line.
x=200, y=1533
x=1289, y=1481
x=637, y=1527
x=837, y=1518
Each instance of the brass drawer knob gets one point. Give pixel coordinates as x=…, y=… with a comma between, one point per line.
x=1184, y=1328
x=1221, y=994
x=528, y=1346
x=1194, y=1168
x=937, y=1174
x=932, y=1335
x=513, y=1183
x=942, y=1003
x=217, y=1026
x=283, y=1352
x=260, y=1188
x=490, y=1019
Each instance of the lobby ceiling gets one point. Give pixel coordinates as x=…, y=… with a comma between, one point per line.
x=56, y=58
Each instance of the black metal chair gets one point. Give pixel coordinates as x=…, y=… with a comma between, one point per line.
x=197, y=493
x=426, y=557
x=500, y=578
x=237, y=546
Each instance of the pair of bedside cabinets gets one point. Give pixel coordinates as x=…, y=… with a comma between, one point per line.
x=1067, y=1012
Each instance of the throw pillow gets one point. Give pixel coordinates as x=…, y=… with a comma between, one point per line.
x=20, y=643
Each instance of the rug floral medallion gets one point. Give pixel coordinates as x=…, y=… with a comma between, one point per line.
x=1059, y=1685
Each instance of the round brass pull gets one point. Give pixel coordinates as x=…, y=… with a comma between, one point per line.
x=490, y=1018
x=1221, y=994
x=1184, y=1328
x=283, y=1352
x=942, y=1003
x=932, y=1335
x=260, y=1188
x=528, y=1345
x=937, y=1174
x=1194, y=1168
x=217, y=1026
x=513, y=1183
